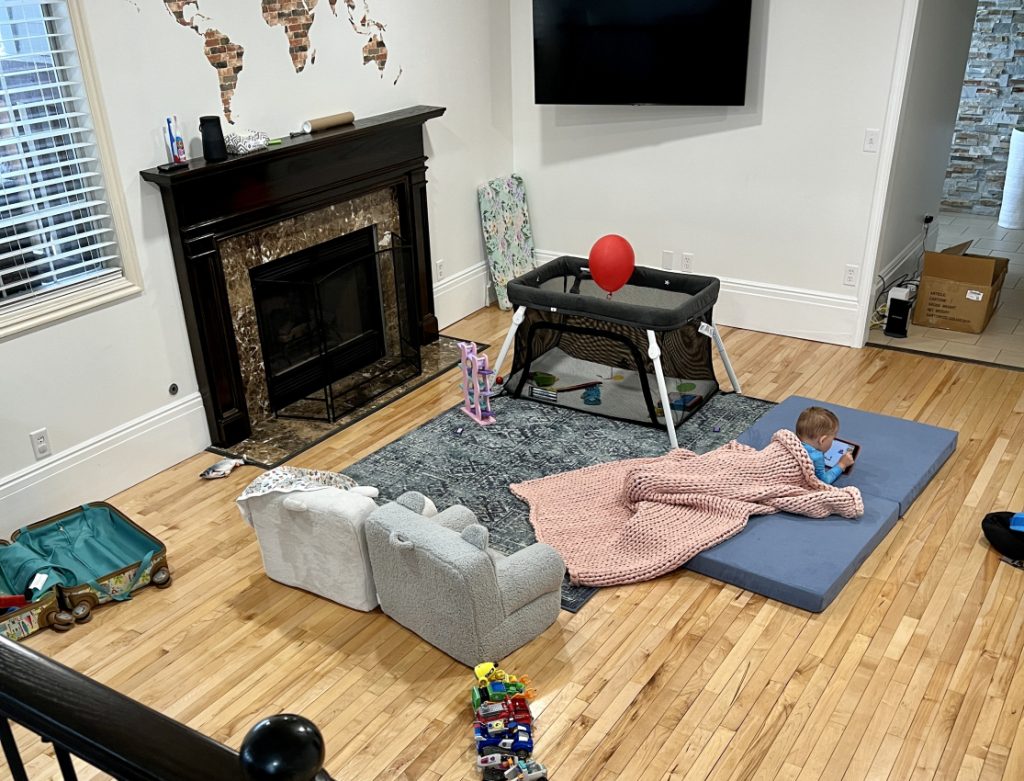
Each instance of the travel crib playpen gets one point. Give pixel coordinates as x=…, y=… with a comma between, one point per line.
x=642, y=354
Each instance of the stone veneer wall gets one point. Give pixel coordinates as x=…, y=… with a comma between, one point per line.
x=991, y=105
x=241, y=253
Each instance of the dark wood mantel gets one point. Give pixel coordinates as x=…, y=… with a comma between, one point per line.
x=208, y=202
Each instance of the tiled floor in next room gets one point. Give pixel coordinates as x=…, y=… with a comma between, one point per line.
x=1003, y=340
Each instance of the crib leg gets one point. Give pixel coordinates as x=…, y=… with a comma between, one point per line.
x=654, y=353
x=517, y=319
x=725, y=358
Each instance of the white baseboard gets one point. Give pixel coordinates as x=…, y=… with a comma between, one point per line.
x=104, y=465
x=788, y=311
x=462, y=294
x=777, y=309
x=540, y=256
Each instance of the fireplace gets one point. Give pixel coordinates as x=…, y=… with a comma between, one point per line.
x=299, y=227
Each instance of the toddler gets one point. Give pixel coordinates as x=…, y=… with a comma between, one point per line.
x=817, y=427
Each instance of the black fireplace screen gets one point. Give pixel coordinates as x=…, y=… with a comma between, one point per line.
x=335, y=324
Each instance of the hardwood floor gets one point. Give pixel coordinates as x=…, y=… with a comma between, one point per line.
x=914, y=672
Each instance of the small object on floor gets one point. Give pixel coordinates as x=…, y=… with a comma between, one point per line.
x=592, y=396
x=477, y=384
x=503, y=725
x=578, y=386
x=717, y=429
x=542, y=394
x=898, y=312
x=692, y=400
x=221, y=469
x=543, y=379
x=999, y=531
x=686, y=387
x=526, y=770
x=458, y=431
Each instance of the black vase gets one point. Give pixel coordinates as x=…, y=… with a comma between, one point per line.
x=214, y=148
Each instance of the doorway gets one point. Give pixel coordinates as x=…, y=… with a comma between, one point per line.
x=956, y=110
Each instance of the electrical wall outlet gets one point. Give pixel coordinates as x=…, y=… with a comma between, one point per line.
x=687, y=264
x=440, y=268
x=40, y=443
x=850, y=276
x=668, y=259
x=872, y=139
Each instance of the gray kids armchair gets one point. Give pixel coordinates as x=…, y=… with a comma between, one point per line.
x=437, y=577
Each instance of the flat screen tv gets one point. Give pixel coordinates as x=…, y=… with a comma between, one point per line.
x=634, y=52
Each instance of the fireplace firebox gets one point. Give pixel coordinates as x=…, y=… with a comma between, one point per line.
x=331, y=318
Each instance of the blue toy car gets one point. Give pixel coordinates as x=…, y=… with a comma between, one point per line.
x=515, y=738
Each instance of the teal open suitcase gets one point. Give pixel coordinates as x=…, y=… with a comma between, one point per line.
x=38, y=614
x=74, y=561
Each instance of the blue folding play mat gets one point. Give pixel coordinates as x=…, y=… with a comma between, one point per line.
x=805, y=562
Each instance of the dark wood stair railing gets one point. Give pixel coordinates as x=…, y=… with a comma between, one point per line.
x=132, y=742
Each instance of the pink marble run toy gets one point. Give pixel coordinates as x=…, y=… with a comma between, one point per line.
x=477, y=384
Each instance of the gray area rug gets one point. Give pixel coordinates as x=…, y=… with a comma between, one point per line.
x=454, y=461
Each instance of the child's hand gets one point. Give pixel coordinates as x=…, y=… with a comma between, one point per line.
x=846, y=461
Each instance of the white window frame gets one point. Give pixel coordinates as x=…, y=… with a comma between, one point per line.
x=34, y=313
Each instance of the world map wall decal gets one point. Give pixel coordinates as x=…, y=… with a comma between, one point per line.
x=295, y=17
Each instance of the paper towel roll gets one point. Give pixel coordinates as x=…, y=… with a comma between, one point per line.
x=1011, y=215
x=326, y=123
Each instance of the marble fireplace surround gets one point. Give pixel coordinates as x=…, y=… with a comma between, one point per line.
x=224, y=218
x=239, y=254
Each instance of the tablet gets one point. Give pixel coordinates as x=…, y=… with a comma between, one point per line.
x=838, y=449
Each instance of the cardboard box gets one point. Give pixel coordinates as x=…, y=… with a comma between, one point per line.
x=959, y=291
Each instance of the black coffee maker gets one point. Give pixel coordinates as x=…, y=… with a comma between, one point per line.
x=214, y=148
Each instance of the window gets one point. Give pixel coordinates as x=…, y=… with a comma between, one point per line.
x=59, y=246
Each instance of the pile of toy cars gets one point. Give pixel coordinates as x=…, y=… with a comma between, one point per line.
x=503, y=726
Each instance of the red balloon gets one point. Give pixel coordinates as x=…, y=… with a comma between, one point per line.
x=611, y=262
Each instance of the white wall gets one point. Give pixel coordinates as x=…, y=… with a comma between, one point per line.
x=927, y=116
x=99, y=382
x=773, y=197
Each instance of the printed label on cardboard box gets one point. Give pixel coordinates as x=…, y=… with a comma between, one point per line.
x=975, y=295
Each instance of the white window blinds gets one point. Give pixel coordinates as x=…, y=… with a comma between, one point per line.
x=55, y=224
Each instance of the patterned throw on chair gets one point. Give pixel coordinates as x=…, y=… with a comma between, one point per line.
x=508, y=239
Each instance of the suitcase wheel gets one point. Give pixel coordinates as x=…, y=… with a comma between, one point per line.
x=61, y=621
x=161, y=578
x=82, y=613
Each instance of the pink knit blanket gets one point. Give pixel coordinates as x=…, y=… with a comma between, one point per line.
x=633, y=520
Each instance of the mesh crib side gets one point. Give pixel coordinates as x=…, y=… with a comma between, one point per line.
x=685, y=352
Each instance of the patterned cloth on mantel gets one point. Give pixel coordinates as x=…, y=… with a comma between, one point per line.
x=634, y=520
